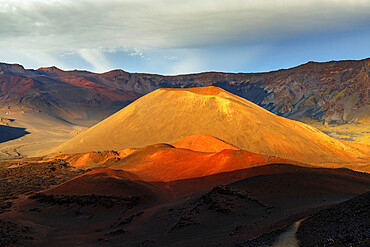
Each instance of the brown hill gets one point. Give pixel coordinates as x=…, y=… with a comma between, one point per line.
x=106, y=181
x=188, y=186
x=166, y=115
x=109, y=182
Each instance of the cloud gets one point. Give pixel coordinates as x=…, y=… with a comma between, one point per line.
x=93, y=28
x=32, y=58
x=143, y=24
x=137, y=52
x=96, y=58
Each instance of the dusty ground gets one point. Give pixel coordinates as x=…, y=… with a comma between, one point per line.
x=30, y=133
x=24, y=180
x=357, y=132
x=33, y=177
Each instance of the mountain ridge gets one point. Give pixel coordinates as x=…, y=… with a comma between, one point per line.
x=329, y=91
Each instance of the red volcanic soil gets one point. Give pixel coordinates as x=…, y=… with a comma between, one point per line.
x=89, y=159
x=163, y=162
x=93, y=159
x=202, y=143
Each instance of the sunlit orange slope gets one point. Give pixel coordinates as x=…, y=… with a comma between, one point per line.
x=202, y=143
x=166, y=115
x=88, y=159
x=163, y=162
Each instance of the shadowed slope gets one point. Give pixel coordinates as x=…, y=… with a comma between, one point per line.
x=244, y=205
x=8, y=133
x=109, y=182
x=257, y=205
x=165, y=115
x=104, y=181
x=187, y=186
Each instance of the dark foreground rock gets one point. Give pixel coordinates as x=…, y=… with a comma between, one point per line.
x=345, y=224
x=11, y=233
x=88, y=200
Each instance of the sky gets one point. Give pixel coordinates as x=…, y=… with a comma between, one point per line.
x=177, y=37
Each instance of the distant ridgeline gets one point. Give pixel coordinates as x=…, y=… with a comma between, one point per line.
x=330, y=91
